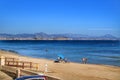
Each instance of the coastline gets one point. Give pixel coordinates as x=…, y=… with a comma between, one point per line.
x=72, y=71
x=60, y=40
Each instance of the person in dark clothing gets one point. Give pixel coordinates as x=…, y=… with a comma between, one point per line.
x=84, y=60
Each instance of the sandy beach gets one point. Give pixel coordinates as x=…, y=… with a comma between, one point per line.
x=72, y=71
x=4, y=76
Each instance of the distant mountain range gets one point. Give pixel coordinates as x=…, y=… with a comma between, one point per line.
x=44, y=36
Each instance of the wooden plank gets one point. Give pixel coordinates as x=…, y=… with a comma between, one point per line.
x=30, y=65
x=23, y=64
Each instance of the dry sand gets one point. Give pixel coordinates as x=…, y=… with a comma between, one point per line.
x=4, y=76
x=72, y=71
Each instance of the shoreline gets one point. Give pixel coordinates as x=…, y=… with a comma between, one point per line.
x=14, y=52
x=67, y=40
x=72, y=71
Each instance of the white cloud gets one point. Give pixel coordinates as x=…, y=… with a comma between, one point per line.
x=106, y=29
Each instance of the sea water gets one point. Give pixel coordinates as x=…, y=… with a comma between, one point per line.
x=96, y=51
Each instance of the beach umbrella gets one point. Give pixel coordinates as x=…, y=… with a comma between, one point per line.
x=60, y=55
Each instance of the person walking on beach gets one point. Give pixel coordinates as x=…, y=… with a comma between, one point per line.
x=84, y=60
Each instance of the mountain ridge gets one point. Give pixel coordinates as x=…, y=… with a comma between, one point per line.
x=45, y=36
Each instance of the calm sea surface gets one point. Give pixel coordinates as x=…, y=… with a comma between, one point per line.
x=97, y=52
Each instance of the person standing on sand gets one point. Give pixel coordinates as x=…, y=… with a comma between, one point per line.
x=84, y=60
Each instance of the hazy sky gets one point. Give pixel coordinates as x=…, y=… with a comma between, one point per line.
x=90, y=17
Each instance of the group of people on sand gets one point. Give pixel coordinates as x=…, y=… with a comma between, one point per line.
x=60, y=59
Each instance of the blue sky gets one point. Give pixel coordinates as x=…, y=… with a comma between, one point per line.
x=90, y=17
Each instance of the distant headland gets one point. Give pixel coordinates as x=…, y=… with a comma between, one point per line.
x=44, y=36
